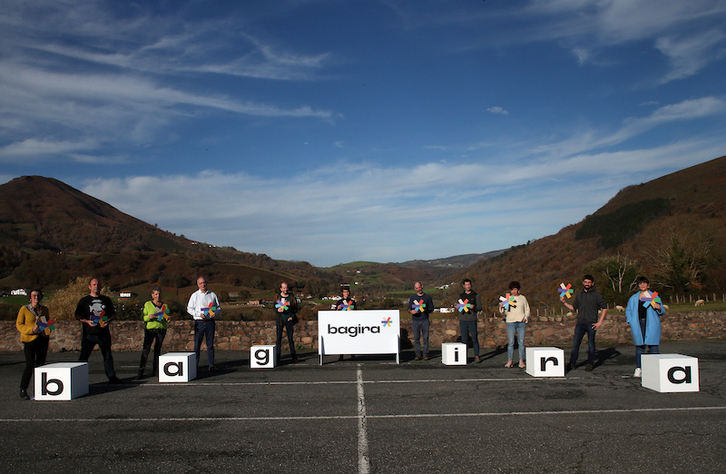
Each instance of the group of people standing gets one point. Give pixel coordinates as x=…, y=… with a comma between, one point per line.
x=94, y=311
x=643, y=315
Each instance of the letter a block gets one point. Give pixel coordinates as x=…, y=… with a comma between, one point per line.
x=670, y=373
x=61, y=381
x=263, y=357
x=545, y=361
x=177, y=367
x=453, y=353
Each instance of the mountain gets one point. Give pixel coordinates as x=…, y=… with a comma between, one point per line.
x=671, y=229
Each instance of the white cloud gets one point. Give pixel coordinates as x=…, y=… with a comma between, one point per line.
x=498, y=110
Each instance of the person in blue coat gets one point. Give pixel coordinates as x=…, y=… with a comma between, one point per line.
x=643, y=315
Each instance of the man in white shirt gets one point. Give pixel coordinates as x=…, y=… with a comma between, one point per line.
x=204, y=308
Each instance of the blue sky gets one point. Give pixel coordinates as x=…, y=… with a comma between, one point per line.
x=335, y=131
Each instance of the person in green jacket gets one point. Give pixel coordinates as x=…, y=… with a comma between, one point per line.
x=156, y=320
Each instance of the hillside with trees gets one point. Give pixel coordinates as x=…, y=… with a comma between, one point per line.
x=671, y=229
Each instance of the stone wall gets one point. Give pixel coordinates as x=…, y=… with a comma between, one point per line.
x=240, y=335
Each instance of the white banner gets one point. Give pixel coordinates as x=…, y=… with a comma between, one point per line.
x=358, y=332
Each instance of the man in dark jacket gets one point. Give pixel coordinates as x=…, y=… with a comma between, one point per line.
x=588, y=302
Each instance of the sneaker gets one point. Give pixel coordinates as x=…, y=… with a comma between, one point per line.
x=213, y=368
x=477, y=359
x=340, y=358
x=588, y=368
x=521, y=365
x=426, y=357
x=638, y=373
x=418, y=357
x=569, y=368
x=114, y=380
x=140, y=375
x=295, y=360
x=24, y=394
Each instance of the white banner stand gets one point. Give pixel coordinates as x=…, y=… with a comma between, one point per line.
x=359, y=332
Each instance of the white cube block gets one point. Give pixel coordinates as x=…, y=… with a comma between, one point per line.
x=670, y=373
x=545, y=361
x=61, y=381
x=453, y=353
x=177, y=367
x=263, y=357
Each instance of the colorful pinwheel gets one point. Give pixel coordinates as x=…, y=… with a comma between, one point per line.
x=565, y=290
x=345, y=306
x=464, y=306
x=508, y=302
x=419, y=305
x=43, y=324
x=650, y=299
x=208, y=313
x=161, y=315
x=285, y=306
x=99, y=319
x=387, y=322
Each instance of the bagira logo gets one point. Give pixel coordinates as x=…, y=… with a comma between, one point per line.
x=387, y=322
x=353, y=331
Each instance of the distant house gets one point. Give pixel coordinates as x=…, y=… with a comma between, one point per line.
x=18, y=292
x=127, y=294
x=257, y=302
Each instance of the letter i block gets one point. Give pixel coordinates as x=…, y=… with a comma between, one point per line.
x=670, y=373
x=453, y=353
x=545, y=361
x=61, y=381
x=263, y=357
x=177, y=367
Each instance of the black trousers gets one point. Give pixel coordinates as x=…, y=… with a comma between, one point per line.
x=35, y=352
x=155, y=336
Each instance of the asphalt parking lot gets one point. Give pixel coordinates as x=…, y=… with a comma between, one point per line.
x=371, y=415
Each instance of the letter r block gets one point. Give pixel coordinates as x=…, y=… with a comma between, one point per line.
x=545, y=361
x=61, y=381
x=670, y=373
x=177, y=367
x=263, y=357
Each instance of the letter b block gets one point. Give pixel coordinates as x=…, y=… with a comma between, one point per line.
x=670, y=373
x=61, y=381
x=263, y=357
x=177, y=367
x=453, y=353
x=545, y=361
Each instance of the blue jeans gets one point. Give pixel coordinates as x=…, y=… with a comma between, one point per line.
x=519, y=328
x=466, y=328
x=204, y=329
x=639, y=350
x=420, y=327
x=580, y=330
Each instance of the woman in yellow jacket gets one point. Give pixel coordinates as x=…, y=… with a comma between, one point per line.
x=35, y=340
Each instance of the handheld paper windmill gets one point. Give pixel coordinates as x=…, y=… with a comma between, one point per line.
x=565, y=290
x=43, y=324
x=344, y=306
x=285, y=306
x=507, y=302
x=463, y=306
x=387, y=322
x=419, y=305
x=208, y=313
x=163, y=314
x=649, y=300
x=99, y=319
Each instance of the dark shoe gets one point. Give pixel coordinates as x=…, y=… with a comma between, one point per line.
x=341, y=357
x=426, y=357
x=24, y=394
x=477, y=359
x=569, y=368
x=213, y=368
x=114, y=380
x=352, y=357
x=588, y=368
x=140, y=375
x=418, y=357
x=295, y=360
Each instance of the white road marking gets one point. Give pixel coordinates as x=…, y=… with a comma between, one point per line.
x=363, y=459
